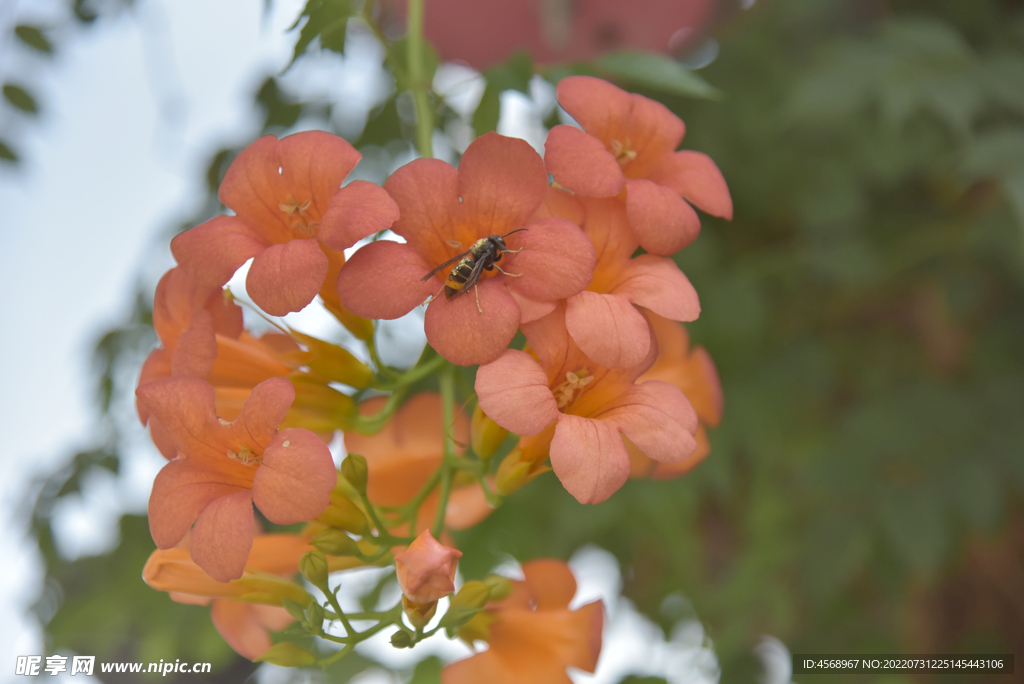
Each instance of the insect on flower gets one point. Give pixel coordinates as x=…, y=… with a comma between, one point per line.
x=482, y=256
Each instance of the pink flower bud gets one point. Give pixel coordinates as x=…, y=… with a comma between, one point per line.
x=426, y=570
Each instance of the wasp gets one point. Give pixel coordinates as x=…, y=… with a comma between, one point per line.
x=484, y=255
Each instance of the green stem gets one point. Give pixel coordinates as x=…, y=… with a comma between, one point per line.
x=424, y=115
x=448, y=464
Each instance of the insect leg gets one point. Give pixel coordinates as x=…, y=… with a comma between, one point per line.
x=512, y=275
x=477, y=293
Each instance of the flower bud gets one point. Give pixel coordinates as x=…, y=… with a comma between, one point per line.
x=355, y=471
x=315, y=617
x=294, y=609
x=500, y=587
x=477, y=629
x=401, y=639
x=426, y=570
x=313, y=566
x=287, y=654
x=265, y=587
x=470, y=600
x=514, y=472
x=419, y=614
x=334, y=542
x=334, y=363
x=485, y=435
x=344, y=515
x=318, y=406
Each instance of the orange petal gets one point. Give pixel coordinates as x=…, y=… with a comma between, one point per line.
x=661, y=220
x=697, y=178
x=358, y=210
x=502, y=181
x=608, y=329
x=181, y=491
x=383, y=280
x=223, y=534
x=656, y=283
x=513, y=391
x=264, y=410
x=211, y=252
x=294, y=482
x=589, y=458
x=550, y=582
x=285, y=278
x=466, y=335
x=556, y=261
x=579, y=161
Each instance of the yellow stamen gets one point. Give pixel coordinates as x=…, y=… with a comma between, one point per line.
x=566, y=392
x=245, y=456
x=622, y=151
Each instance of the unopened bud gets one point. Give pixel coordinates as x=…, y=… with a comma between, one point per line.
x=485, y=435
x=469, y=601
x=354, y=469
x=334, y=363
x=418, y=614
x=401, y=639
x=344, y=515
x=500, y=587
x=287, y=654
x=313, y=566
x=334, y=542
x=294, y=609
x=514, y=472
x=318, y=406
x=477, y=629
x=315, y=617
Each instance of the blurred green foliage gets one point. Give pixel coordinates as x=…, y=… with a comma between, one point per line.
x=865, y=309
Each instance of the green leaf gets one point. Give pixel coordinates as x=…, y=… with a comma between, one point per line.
x=328, y=19
x=34, y=37
x=19, y=97
x=514, y=74
x=280, y=111
x=658, y=72
x=383, y=126
x=6, y=153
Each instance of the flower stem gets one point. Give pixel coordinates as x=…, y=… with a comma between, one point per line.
x=424, y=115
x=448, y=464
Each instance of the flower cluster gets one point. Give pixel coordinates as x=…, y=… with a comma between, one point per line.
x=605, y=387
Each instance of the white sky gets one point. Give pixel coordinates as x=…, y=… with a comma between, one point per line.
x=131, y=108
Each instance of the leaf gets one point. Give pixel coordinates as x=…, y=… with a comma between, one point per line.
x=280, y=111
x=6, y=153
x=514, y=74
x=328, y=20
x=383, y=126
x=34, y=37
x=19, y=97
x=658, y=72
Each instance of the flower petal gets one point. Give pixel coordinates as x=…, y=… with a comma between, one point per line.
x=264, y=410
x=285, y=278
x=223, y=535
x=697, y=178
x=294, y=482
x=185, y=406
x=608, y=329
x=661, y=220
x=181, y=491
x=513, y=391
x=358, y=210
x=502, y=181
x=551, y=583
x=382, y=280
x=531, y=309
x=556, y=261
x=196, y=347
x=581, y=163
x=600, y=107
x=589, y=458
x=212, y=251
x=239, y=623
x=466, y=335
x=657, y=283
x=657, y=418
x=307, y=166
x=426, y=192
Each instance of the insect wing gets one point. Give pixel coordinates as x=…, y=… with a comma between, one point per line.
x=437, y=269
